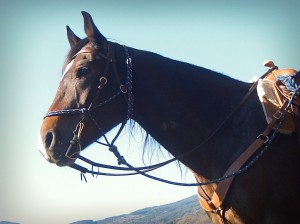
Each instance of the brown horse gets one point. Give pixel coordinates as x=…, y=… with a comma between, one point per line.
x=179, y=105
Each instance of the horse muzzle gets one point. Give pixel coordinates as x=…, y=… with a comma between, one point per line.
x=56, y=152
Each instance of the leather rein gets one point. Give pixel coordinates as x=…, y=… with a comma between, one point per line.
x=238, y=167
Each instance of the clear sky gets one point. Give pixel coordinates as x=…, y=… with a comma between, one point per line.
x=233, y=37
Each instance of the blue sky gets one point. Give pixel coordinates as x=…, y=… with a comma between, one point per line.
x=233, y=37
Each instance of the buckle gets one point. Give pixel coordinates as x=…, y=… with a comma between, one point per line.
x=218, y=210
x=103, y=80
x=123, y=89
x=265, y=138
x=278, y=114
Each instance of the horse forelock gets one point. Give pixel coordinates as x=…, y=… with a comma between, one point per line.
x=75, y=49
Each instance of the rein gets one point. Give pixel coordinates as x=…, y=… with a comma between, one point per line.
x=74, y=149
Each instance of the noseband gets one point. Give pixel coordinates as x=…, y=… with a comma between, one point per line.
x=74, y=147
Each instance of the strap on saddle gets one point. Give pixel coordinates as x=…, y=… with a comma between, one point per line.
x=215, y=203
x=283, y=94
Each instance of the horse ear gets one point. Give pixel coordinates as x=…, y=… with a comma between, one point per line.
x=73, y=39
x=91, y=30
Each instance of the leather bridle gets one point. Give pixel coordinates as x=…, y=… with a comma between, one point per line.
x=74, y=147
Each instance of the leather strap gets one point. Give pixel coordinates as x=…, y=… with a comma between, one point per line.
x=221, y=191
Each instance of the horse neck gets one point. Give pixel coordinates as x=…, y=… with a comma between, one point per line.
x=180, y=105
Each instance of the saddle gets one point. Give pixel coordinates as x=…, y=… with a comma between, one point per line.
x=276, y=89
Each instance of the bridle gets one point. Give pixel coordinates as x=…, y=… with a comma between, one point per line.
x=74, y=149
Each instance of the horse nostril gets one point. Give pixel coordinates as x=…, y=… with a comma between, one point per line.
x=48, y=139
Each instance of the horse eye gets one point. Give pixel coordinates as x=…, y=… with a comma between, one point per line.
x=82, y=71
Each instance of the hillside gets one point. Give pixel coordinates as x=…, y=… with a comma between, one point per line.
x=186, y=211
x=5, y=222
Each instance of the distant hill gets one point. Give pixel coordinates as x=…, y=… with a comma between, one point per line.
x=5, y=222
x=186, y=211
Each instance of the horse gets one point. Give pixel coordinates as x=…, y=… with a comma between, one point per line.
x=179, y=105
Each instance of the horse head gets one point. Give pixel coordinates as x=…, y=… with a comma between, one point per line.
x=88, y=91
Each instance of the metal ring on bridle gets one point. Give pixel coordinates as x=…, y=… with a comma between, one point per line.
x=103, y=80
x=123, y=89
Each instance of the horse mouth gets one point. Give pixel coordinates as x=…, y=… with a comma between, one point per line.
x=65, y=161
x=62, y=161
x=69, y=156
x=62, y=156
